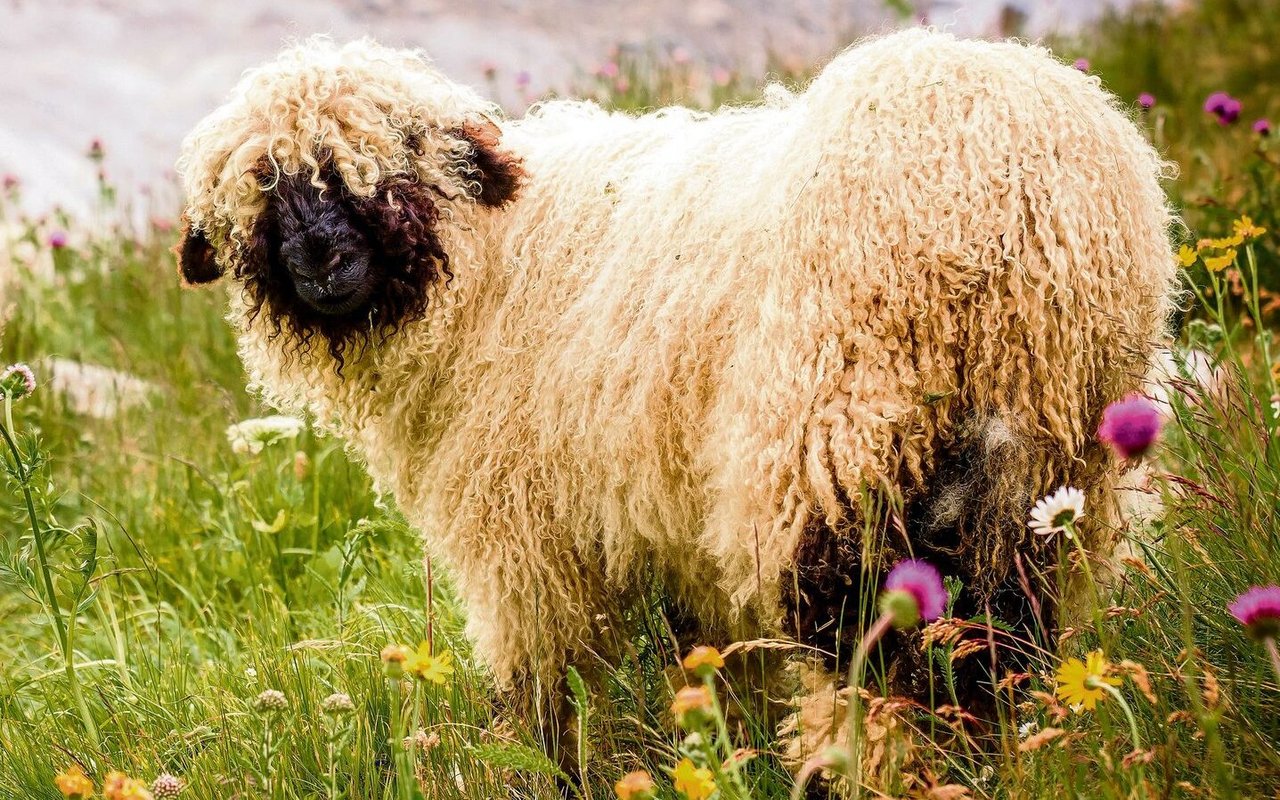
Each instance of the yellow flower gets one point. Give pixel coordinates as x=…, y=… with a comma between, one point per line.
x=1187, y=255
x=1219, y=263
x=433, y=669
x=1080, y=683
x=635, y=786
x=1245, y=229
x=693, y=782
x=1219, y=244
x=72, y=782
x=703, y=660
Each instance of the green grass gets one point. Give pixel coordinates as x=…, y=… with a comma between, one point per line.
x=202, y=577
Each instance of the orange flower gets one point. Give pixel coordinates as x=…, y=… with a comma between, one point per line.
x=691, y=705
x=635, y=786
x=73, y=783
x=703, y=660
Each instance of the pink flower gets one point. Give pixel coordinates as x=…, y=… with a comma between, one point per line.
x=681, y=56
x=919, y=581
x=721, y=76
x=1258, y=610
x=1131, y=426
x=523, y=78
x=58, y=240
x=1147, y=100
x=1262, y=127
x=608, y=69
x=1082, y=64
x=17, y=381
x=1223, y=106
x=10, y=182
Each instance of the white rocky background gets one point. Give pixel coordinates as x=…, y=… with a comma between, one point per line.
x=137, y=74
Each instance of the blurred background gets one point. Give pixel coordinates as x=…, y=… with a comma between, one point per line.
x=137, y=74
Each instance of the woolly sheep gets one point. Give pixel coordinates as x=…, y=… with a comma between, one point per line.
x=753, y=355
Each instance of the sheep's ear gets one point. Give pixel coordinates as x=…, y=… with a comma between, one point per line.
x=497, y=172
x=197, y=260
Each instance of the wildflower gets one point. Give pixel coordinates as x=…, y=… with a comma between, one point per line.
x=394, y=657
x=635, y=786
x=1262, y=126
x=1223, y=106
x=721, y=76
x=1245, y=229
x=695, y=783
x=1188, y=255
x=1147, y=100
x=609, y=69
x=17, y=381
x=1057, y=512
x=913, y=591
x=691, y=705
x=58, y=240
x=703, y=661
x=489, y=69
x=523, y=79
x=681, y=56
x=167, y=786
x=337, y=703
x=301, y=465
x=1131, y=426
x=1082, y=64
x=119, y=786
x=1258, y=610
x=1027, y=728
x=73, y=783
x=253, y=435
x=96, y=151
x=250, y=674
x=11, y=182
x=1080, y=682
x=1219, y=263
x=270, y=701
x=430, y=668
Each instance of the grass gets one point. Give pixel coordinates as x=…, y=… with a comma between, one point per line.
x=190, y=578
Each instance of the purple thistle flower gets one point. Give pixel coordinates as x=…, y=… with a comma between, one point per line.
x=523, y=78
x=1131, y=426
x=1082, y=64
x=1262, y=127
x=1258, y=610
x=58, y=240
x=10, y=182
x=1223, y=106
x=920, y=581
x=17, y=381
x=1147, y=100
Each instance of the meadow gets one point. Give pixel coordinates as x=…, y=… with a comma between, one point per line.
x=194, y=607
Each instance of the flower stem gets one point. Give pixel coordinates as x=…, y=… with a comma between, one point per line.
x=856, y=670
x=1274, y=652
x=42, y=562
x=1093, y=683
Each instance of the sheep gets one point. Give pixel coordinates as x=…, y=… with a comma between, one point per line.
x=753, y=356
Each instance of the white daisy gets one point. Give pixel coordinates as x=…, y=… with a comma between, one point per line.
x=1055, y=513
x=1027, y=728
x=252, y=435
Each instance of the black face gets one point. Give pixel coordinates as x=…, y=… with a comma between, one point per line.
x=327, y=257
x=322, y=262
